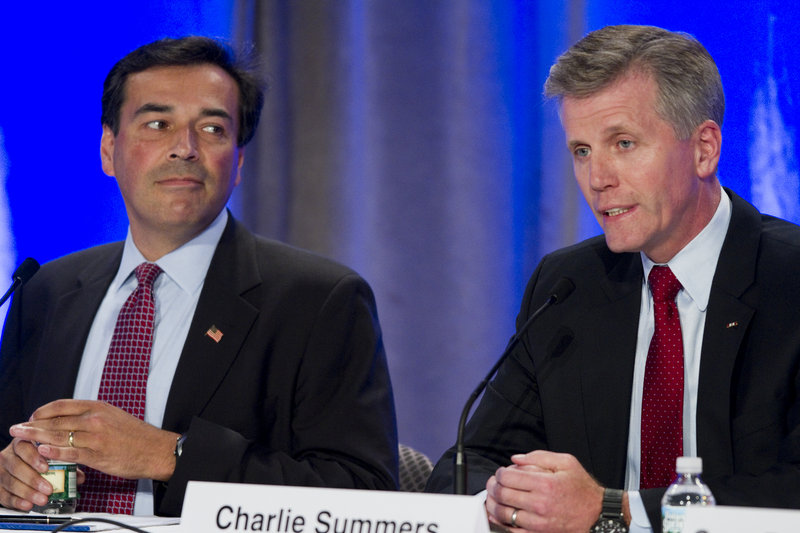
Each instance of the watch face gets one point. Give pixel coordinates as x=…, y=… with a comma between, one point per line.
x=609, y=525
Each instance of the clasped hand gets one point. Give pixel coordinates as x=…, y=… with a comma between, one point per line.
x=104, y=437
x=549, y=492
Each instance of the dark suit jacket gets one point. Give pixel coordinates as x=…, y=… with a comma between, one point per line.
x=296, y=392
x=567, y=386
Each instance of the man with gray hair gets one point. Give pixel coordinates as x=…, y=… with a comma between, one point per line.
x=680, y=337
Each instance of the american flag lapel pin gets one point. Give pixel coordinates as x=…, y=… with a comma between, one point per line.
x=214, y=333
x=733, y=324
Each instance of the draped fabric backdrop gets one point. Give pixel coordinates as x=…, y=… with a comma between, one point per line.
x=405, y=138
x=397, y=139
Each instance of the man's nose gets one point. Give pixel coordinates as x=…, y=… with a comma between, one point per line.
x=185, y=146
x=602, y=173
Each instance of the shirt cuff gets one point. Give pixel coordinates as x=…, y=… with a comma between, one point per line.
x=639, y=521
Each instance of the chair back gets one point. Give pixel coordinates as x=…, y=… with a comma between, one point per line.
x=415, y=467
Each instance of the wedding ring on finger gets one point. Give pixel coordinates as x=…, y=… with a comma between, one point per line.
x=514, y=518
x=71, y=439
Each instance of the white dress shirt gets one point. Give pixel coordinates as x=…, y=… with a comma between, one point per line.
x=694, y=266
x=177, y=291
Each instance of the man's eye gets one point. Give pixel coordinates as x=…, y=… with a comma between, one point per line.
x=212, y=128
x=581, y=151
x=157, y=124
x=625, y=144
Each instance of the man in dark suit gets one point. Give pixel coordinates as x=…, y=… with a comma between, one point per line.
x=267, y=364
x=559, y=436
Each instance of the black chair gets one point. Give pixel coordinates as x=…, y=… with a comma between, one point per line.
x=415, y=467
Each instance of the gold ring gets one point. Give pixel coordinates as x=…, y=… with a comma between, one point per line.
x=71, y=439
x=514, y=518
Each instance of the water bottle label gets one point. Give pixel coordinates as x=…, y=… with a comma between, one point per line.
x=672, y=518
x=63, y=477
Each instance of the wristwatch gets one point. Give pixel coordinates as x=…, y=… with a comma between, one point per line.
x=179, y=446
x=611, y=519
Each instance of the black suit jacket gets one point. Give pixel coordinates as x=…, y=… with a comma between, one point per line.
x=567, y=386
x=296, y=392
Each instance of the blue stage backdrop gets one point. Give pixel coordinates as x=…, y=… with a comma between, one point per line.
x=55, y=199
x=54, y=58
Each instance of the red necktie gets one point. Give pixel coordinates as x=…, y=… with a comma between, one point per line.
x=662, y=398
x=124, y=385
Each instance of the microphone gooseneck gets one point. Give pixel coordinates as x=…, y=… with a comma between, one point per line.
x=20, y=277
x=560, y=291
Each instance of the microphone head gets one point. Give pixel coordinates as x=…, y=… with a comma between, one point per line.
x=25, y=270
x=562, y=289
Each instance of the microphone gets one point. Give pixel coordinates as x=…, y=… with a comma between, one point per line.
x=21, y=275
x=558, y=293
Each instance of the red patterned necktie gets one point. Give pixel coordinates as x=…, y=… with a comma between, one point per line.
x=662, y=398
x=124, y=385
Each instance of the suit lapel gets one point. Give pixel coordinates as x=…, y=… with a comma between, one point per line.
x=607, y=368
x=65, y=338
x=232, y=272
x=727, y=321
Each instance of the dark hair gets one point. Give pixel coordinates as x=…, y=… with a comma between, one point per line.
x=689, y=84
x=186, y=51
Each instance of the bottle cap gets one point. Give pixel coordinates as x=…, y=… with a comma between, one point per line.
x=689, y=465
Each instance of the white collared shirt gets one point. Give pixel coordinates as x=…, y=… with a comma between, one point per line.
x=177, y=291
x=694, y=266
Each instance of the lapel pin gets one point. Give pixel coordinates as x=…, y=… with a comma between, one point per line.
x=733, y=324
x=214, y=333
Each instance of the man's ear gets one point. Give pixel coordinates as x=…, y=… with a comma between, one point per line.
x=239, y=164
x=107, y=151
x=708, y=146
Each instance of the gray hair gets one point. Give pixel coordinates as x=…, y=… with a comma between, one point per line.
x=689, y=84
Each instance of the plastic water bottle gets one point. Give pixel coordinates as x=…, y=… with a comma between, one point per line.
x=64, y=479
x=687, y=489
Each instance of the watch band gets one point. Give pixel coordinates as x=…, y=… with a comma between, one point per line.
x=612, y=503
x=611, y=519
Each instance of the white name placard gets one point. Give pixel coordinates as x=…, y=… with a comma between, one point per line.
x=728, y=519
x=233, y=508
